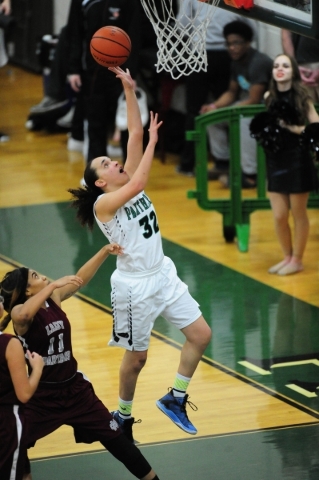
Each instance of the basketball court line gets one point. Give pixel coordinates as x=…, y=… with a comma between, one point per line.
x=237, y=407
x=259, y=455
x=233, y=397
x=205, y=359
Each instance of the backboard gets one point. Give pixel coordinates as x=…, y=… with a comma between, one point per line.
x=299, y=16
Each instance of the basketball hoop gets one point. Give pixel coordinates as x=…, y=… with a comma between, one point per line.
x=181, y=37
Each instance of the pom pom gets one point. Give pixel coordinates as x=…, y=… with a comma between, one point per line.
x=259, y=123
x=310, y=136
x=264, y=129
x=284, y=111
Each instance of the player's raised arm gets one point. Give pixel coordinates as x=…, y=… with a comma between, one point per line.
x=134, y=122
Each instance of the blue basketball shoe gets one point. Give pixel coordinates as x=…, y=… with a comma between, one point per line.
x=126, y=425
x=175, y=409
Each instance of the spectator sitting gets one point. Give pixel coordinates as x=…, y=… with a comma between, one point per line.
x=214, y=81
x=250, y=76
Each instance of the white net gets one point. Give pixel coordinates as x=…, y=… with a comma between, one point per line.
x=181, y=36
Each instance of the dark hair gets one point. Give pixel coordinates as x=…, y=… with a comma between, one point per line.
x=84, y=198
x=299, y=94
x=13, y=289
x=239, y=28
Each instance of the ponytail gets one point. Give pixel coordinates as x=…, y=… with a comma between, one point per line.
x=13, y=289
x=5, y=322
x=84, y=198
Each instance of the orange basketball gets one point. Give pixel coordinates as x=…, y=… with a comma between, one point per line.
x=110, y=46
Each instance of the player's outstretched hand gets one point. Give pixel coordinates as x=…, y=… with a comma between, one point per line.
x=114, y=249
x=68, y=280
x=5, y=7
x=124, y=76
x=154, y=126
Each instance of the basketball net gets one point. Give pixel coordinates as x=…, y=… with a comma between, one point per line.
x=181, y=37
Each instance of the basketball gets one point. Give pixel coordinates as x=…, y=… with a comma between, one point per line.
x=110, y=46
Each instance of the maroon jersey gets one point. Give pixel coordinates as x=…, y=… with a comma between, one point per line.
x=7, y=393
x=64, y=396
x=50, y=336
x=12, y=439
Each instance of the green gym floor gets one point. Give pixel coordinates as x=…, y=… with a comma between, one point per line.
x=262, y=336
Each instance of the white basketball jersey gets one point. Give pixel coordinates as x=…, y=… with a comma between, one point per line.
x=135, y=228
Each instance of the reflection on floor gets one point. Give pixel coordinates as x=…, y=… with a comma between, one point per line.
x=259, y=332
x=265, y=341
x=289, y=453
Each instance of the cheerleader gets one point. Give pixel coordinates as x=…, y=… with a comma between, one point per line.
x=288, y=132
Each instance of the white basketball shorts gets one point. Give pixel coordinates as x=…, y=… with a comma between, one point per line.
x=138, y=299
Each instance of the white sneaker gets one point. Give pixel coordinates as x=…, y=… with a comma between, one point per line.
x=66, y=120
x=121, y=112
x=4, y=137
x=75, y=145
x=29, y=124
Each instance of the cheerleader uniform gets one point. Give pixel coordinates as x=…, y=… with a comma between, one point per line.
x=289, y=161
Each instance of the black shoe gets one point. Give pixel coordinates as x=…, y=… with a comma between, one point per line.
x=48, y=104
x=248, y=181
x=214, y=173
x=224, y=180
x=186, y=173
x=126, y=425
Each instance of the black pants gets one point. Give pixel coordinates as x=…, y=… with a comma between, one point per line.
x=198, y=86
x=57, y=87
x=101, y=90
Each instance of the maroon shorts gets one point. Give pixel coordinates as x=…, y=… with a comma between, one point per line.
x=12, y=448
x=76, y=405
